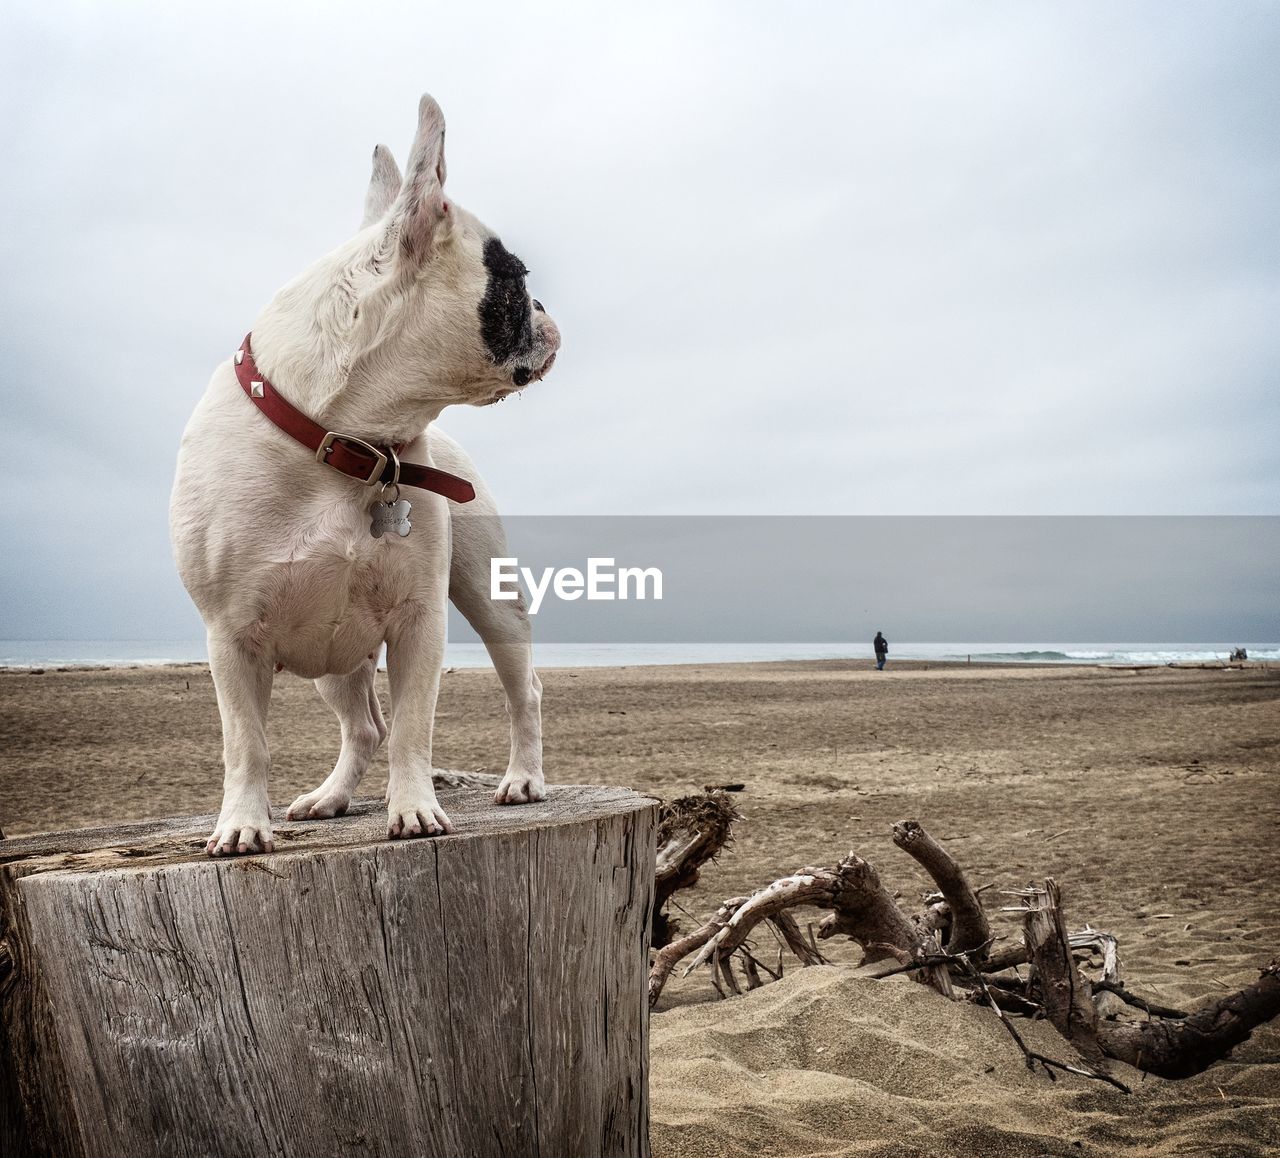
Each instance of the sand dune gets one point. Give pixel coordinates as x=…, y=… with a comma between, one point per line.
x=826, y=1062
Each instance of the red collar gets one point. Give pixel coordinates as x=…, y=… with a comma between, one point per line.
x=347, y=454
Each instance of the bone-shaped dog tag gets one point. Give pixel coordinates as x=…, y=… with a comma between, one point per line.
x=390, y=518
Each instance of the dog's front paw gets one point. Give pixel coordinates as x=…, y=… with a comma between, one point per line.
x=319, y=804
x=237, y=835
x=423, y=818
x=520, y=788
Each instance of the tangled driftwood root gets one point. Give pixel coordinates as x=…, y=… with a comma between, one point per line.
x=691, y=831
x=947, y=945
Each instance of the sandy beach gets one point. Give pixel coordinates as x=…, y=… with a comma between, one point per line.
x=1152, y=797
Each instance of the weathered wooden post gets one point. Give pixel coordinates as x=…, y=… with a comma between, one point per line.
x=477, y=994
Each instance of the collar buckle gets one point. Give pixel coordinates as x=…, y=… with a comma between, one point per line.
x=380, y=463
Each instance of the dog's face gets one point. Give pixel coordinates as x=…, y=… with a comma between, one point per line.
x=518, y=337
x=447, y=302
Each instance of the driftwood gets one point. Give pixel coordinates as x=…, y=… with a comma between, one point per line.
x=948, y=945
x=1170, y=1044
x=1064, y=993
x=691, y=831
x=1117, y=988
x=860, y=907
x=471, y=994
x=969, y=930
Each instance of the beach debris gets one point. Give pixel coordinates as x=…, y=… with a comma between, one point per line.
x=969, y=930
x=1168, y=1043
x=691, y=831
x=1073, y=979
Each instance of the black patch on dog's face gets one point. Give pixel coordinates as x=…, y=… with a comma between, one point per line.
x=505, y=316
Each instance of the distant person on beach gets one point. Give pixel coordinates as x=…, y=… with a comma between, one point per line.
x=882, y=650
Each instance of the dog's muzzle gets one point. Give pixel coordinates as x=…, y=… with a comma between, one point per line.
x=522, y=375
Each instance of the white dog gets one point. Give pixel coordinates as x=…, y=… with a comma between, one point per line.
x=297, y=566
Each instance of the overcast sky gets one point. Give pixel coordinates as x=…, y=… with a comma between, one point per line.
x=814, y=258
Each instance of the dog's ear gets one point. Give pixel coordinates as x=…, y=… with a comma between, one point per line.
x=384, y=186
x=421, y=209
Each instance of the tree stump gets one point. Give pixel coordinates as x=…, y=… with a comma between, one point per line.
x=475, y=994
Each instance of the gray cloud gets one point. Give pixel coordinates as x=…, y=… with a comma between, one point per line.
x=820, y=259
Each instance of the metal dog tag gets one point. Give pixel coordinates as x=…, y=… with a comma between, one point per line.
x=390, y=518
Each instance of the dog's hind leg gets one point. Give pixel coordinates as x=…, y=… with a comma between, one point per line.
x=477, y=537
x=354, y=701
x=242, y=680
x=508, y=638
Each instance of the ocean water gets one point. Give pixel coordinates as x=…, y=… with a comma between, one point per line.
x=115, y=653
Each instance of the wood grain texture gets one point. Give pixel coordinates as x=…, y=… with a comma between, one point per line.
x=482, y=993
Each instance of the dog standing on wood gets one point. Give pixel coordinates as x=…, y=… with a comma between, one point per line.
x=303, y=556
